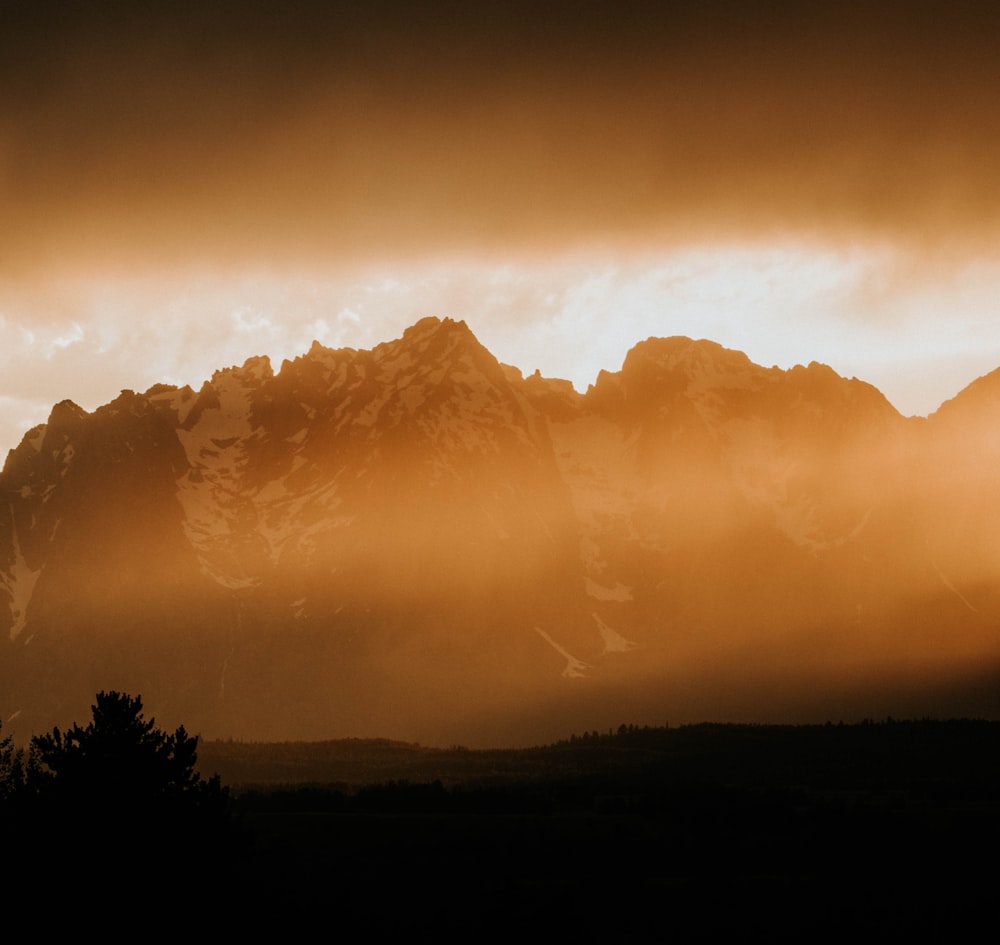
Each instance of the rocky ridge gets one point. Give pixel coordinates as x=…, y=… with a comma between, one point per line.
x=418, y=541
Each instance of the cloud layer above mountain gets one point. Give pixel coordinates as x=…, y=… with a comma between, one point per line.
x=253, y=130
x=176, y=176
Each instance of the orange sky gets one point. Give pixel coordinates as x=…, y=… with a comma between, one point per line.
x=183, y=185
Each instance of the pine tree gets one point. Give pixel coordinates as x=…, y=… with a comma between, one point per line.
x=119, y=803
x=122, y=762
x=11, y=768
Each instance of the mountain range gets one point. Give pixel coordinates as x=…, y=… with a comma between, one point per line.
x=419, y=542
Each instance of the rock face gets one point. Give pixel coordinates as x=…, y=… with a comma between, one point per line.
x=416, y=541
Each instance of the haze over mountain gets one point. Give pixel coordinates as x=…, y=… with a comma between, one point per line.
x=416, y=541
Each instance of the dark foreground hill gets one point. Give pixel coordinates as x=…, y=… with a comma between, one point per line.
x=701, y=833
x=879, y=831
x=901, y=756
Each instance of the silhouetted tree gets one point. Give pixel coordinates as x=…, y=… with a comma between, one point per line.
x=11, y=768
x=121, y=797
x=19, y=773
x=121, y=770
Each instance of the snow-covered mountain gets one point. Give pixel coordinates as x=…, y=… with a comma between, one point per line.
x=417, y=541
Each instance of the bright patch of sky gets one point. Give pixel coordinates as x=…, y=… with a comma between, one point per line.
x=918, y=332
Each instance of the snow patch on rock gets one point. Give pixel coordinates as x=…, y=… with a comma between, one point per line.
x=614, y=642
x=600, y=592
x=574, y=667
x=19, y=583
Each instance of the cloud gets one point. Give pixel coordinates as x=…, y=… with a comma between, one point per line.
x=223, y=135
x=188, y=185
x=866, y=311
x=72, y=337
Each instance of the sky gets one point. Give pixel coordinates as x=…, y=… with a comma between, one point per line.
x=184, y=185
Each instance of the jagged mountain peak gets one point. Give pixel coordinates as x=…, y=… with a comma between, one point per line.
x=252, y=372
x=981, y=397
x=680, y=363
x=821, y=385
x=318, y=361
x=430, y=325
x=65, y=414
x=434, y=341
x=555, y=398
x=437, y=368
x=972, y=415
x=369, y=530
x=45, y=442
x=661, y=373
x=425, y=347
x=688, y=354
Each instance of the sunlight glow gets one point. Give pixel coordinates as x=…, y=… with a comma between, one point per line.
x=919, y=332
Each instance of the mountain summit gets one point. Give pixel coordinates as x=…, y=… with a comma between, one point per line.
x=418, y=541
